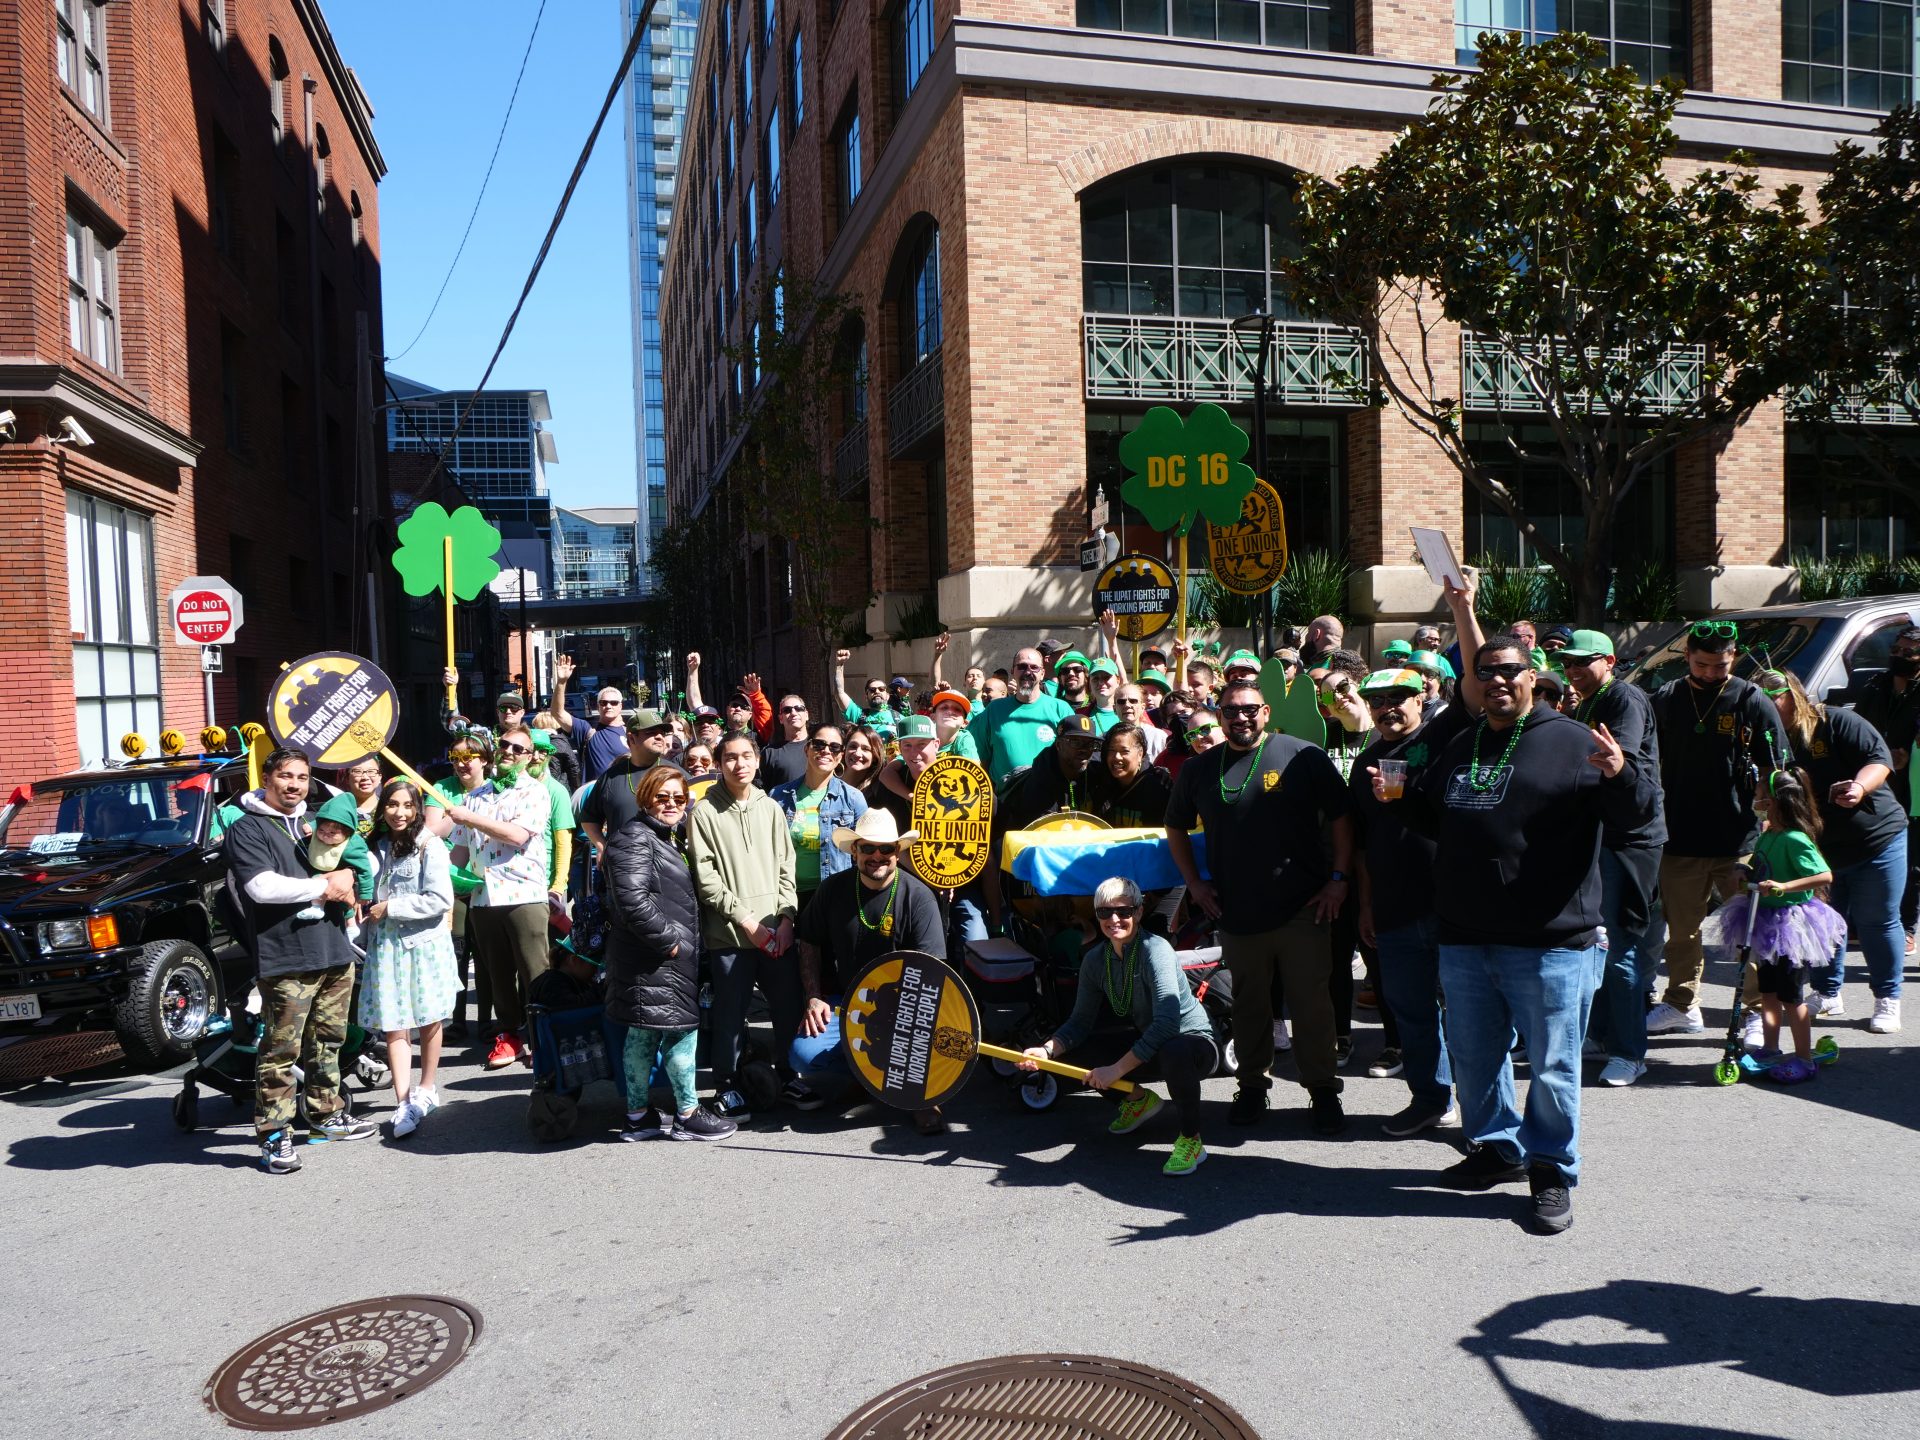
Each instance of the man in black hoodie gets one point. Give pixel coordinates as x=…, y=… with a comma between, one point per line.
x=1517, y=804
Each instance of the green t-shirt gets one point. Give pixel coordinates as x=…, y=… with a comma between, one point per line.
x=1786, y=856
x=1011, y=733
x=1103, y=720
x=884, y=721
x=962, y=745
x=562, y=817
x=805, y=828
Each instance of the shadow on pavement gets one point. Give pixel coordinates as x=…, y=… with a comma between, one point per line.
x=125, y=1134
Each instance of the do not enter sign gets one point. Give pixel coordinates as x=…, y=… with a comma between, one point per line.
x=206, y=611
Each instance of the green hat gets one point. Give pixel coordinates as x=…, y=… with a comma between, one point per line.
x=915, y=727
x=1398, y=678
x=542, y=740
x=1103, y=666
x=1427, y=660
x=640, y=720
x=342, y=809
x=1070, y=657
x=1585, y=644
x=1156, y=677
x=1396, y=650
x=1241, y=659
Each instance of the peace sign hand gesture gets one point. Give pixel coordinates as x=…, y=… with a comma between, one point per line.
x=1606, y=756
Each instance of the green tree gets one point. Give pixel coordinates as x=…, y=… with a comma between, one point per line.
x=1535, y=206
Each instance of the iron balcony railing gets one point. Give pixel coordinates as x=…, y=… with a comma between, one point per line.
x=850, y=460
x=916, y=407
x=1896, y=400
x=1160, y=357
x=1496, y=376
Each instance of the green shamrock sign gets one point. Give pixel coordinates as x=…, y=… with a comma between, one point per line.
x=421, y=558
x=1183, y=469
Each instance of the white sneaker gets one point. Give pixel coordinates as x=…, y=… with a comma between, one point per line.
x=407, y=1118
x=1664, y=1019
x=1281, y=1039
x=1621, y=1071
x=1753, y=1031
x=1832, y=1006
x=426, y=1099
x=1886, y=1016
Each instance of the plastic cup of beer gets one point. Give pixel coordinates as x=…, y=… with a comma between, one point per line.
x=1393, y=778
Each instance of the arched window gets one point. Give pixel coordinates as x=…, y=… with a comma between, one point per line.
x=1197, y=238
x=359, y=220
x=277, y=87
x=920, y=300
x=322, y=164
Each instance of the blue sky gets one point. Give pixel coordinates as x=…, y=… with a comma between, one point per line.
x=438, y=73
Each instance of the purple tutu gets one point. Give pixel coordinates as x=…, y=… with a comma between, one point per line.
x=1803, y=935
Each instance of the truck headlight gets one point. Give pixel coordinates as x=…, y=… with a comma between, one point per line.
x=63, y=935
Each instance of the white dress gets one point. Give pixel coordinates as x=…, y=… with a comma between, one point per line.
x=410, y=977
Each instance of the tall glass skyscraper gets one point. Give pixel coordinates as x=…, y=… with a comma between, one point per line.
x=656, y=119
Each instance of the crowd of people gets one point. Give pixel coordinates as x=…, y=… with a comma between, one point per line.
x=1503, y=837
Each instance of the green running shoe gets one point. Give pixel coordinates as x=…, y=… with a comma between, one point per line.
x=1135, y=1111
x=1187, y=1157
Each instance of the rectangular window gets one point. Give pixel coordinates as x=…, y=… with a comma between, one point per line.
x=116, y=664
x=847, y=161
x=1835, y=509
x=233, y=366
x=773, y=154
x=93, y=293
x=912, y=47
x=750, y=221
x=83, y=52
x=286, y=256
x=1651, y=37
x=223, y=186
x=797, y=80
x=746, y=87
x=213, y=20
x=767, y=13
x=1324, y=25
x=1642, y=533
x=1862, y=54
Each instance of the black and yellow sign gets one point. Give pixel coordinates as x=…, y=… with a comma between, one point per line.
x=1249, y=556
x=334, y=708
x=909, y=1030
x=697, y=789
x=1141, y=593
x=953, y=813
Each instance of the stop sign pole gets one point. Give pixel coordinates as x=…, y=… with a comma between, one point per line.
x=207, y=612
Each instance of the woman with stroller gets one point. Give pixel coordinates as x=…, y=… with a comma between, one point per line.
x=410, y=979
x=1140, y=978
x=653, y=959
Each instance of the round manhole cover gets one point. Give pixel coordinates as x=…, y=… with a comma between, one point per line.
x=342, y=1363
x=47, y=1057
x=1045, y=1397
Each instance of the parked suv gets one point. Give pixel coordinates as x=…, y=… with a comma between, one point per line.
x=115, y=906
x=1831, y=645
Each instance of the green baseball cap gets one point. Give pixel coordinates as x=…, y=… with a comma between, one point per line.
x=1396, y=650
x=1585, y=644
x=915, y=727
x=1156, y=677
x=643, y=720
x=1241, y=660
x=1397, y=678
x=1103, y=666
x=1070, y=657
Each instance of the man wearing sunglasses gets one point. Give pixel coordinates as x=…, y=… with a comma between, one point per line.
x=1629, y=859
x=1516, y=804
x=1265, y=802
x=1012, y=731
x=785, y=760
x=879, y=713
x=1718, y=735
x=599, y=740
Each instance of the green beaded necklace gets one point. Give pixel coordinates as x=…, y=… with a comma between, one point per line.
x=1482, y=781
x=1232, y=797
x=1122, y=1004
x=1585, y=711
x=885, y=927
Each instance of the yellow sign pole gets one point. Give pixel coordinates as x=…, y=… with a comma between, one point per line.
x=446, y=593
x=1180, y=600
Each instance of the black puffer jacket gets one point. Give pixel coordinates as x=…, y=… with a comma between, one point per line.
x=651, y=903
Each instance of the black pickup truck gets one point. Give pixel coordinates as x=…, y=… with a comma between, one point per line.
x=115, y=905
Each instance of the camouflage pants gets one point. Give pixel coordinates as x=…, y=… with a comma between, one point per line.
x=306, y=1021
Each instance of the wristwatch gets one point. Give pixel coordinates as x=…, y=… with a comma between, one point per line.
x=1340, y=875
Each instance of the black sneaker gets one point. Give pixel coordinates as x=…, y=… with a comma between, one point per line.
x=277, y=1155
x=1342, y=1051
x=731, y=1105
x=340, y=1126
x=1387, y=1064
x=1552, y=1203
x=1482, y=1168
x=802, y=1096
x=650, y=1126
x=1324, y=1112
x=702, y=1124
x=1249, y=1107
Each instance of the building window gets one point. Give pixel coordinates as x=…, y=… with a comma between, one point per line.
x=116, y=664
x=846, y=149
x=1652, y=37
x=746, y=86
x=731, y=154
x=93, y=292
x=286, y=255
x=750, y=221
x=1191, y=239
x=1548, y=499
x=773, y=154
x=83, y=52
x=277, y=88
x=223, y=216
x=1287, y=24
x=322, y=166
x=1838, y=507
x=912, y=47
x=233, y=366
x=797, y=79
x=767, y=12
x=358, y=221
x=213, y=20
x=1858, y=53
x=920, y=301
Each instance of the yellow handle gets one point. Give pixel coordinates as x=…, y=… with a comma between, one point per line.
x=1000, y=1052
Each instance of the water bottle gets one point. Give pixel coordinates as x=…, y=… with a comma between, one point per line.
x=570, y=1058
x=597, y=1059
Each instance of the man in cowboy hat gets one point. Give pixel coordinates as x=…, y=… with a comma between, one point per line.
x=854, y=918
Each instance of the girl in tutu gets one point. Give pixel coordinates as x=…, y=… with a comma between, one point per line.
x=1794, y=930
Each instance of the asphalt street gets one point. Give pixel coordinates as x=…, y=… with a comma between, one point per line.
x=1742, y=1260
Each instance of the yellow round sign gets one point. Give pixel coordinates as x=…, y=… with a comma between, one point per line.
x=1140, y=591
x=334, y=708
x=953, y=813
x=910, y=1030
x=1249, y=556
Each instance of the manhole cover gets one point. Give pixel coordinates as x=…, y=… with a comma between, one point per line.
x=342, y=1363
x=1046, y=1397
x=43, y=1057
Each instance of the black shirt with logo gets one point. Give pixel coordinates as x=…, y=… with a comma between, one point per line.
x=1843, y=743
x=852, y=926
x=1399, y=860
x=1716, y=747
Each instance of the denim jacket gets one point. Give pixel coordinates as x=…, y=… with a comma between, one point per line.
x=840, y=806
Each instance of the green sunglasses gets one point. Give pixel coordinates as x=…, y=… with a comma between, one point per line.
x=1714, y=630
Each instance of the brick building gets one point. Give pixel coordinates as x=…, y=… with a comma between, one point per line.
x=191, y=260
x=1047, y=213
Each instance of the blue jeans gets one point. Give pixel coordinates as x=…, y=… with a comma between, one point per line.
x=1410, y=984
x=1547, y=995
x=820, y=1054
x=966, y=920
x=1620, y=1016
x=1868, y=893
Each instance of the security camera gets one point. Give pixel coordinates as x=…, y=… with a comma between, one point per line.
x=6, y=424
x=70, y=432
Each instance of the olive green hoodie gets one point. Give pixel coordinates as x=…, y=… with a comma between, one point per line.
x=741, y=852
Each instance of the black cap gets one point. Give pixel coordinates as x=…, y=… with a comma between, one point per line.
x=1077, y=727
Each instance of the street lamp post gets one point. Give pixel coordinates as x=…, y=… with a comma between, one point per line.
x=1262, y=323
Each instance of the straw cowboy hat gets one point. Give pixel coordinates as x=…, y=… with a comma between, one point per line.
x=876, y=827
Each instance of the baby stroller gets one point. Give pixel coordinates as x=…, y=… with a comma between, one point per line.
x=224, y=1059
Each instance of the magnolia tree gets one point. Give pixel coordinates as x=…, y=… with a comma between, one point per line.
x=1631, y=311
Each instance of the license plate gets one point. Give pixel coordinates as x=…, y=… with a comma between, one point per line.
x=19, y=1007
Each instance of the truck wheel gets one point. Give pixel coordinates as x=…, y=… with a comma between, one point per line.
x=173, y=991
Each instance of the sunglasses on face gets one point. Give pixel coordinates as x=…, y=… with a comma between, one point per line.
x=609, y=704
x=668, y=797
x=866, y=849
x=1511, y=670
x=1115, y=912
x=826, y=747
x=1029, y=669
x=1714, y=630
x=1392, y=700
x=461, y=757
x=516, y=750
x=793, y=709
x=1579, y=662
x=1232, y=712
x=1343, y=691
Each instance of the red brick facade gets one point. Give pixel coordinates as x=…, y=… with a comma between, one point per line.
x=247, y=259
